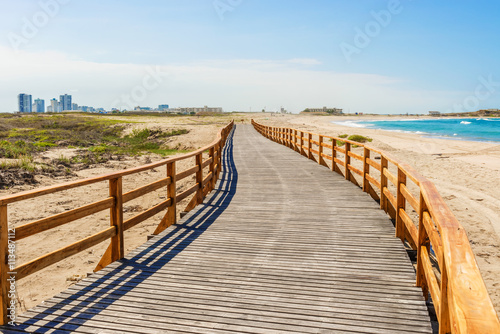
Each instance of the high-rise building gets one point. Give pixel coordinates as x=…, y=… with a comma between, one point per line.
x=24, y=102
x=163, y=107
x=39, y=105
x=74, y=106
x=55, y=105
x=65, y=101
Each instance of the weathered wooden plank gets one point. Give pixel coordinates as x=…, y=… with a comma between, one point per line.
x=208, y=306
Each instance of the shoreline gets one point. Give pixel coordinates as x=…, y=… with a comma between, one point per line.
x=351, y=124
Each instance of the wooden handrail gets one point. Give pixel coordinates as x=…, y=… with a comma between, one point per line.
x=459, y=294
x=114, y=202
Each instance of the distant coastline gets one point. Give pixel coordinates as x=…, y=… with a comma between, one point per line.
x=481, y=129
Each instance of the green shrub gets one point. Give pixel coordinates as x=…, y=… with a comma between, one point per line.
x=25, y=162
x=99, y=149
x=359, y=138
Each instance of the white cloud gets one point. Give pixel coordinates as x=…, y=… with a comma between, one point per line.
x=305, y=61
x=234, y=85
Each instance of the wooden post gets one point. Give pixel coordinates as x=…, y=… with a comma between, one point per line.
x=216, y=159
x=115, y=191
x=383, y=183
x=115, y=250
x=172, y=193
x=347, y=161
x=301, y=143
x=170, y=217
x=334, y=155
x=309, y=146
x=444, y=309
x=199, y=178
x=294, y=140
x=366, y=170
x=321, y=161
x=198, y=197
x=4, y=251
x=423, y=240
x=221, y=149
x=401, y=204
x=211, y=185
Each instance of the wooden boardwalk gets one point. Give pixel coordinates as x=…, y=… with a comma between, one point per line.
x=282, y=246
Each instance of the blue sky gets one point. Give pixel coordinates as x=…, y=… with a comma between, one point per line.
x=364, y=56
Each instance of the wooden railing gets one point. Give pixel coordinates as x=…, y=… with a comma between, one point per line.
x=202, y=186
x=446, y=266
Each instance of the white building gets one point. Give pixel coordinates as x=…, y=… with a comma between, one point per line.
x=325, y=109
x=55, y=106
x=196, y=110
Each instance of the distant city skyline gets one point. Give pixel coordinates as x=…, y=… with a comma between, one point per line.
x=65, y=104
x=371, y=56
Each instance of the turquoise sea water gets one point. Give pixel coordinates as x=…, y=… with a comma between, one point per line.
x=476, y=129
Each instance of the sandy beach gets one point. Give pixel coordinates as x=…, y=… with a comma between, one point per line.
x=467, y=174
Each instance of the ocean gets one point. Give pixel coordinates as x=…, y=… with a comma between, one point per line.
x=475, y=129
